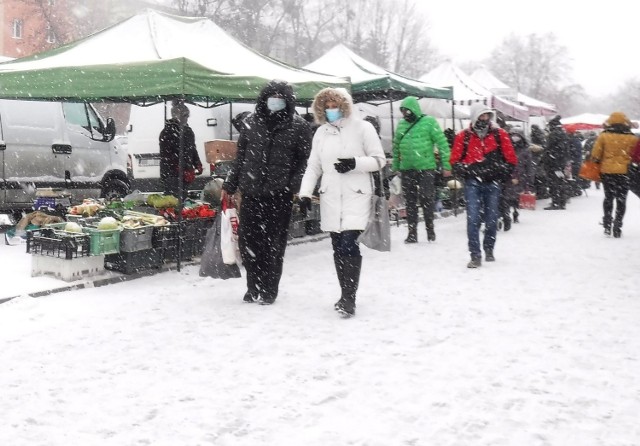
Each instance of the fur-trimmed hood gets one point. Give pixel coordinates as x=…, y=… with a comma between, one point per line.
x=337, y=95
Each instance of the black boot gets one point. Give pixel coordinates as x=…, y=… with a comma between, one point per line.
x=431, y=232
x=515, y=216
x=351, y=266
x=606, y=222
x=413, y=235
x=506, y=222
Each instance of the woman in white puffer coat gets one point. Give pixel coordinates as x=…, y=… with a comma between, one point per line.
x=344, y=153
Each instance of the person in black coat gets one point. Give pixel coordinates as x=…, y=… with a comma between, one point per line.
x=272, y=156
x=555, y=159
x=170, y=152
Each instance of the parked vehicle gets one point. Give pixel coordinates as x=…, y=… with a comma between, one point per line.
x=145, y=125
x=60, y=145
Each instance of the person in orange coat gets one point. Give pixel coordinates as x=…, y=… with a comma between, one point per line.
x=612, y=150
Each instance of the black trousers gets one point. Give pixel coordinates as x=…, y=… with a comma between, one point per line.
x=557, y=189
x=262, y=237
x=418, y=188
x=616, y=189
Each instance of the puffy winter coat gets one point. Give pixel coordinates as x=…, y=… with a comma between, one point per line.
x=345, y=198
x=413, y=145
x=170, y=149
x=272, y=148
x=557, y=153
x=613, y=150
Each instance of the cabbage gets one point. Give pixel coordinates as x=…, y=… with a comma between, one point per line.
x=72, y=226
x=108, y=224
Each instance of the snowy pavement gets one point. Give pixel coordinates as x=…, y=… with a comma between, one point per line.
x=541, y=347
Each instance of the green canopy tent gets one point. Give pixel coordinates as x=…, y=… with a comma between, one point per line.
x=371, y=83
x=154, y=57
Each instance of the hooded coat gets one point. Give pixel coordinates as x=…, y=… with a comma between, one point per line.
x=272, y=148
x=345, y=198
x=413, y=145
x=479, y=145
x=614, y=146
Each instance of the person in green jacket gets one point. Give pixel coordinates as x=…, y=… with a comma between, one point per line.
x=415, y=157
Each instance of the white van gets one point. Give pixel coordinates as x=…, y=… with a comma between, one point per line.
x=143, y=131
x=61, y=145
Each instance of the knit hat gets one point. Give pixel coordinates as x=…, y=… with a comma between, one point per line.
x=618, y=118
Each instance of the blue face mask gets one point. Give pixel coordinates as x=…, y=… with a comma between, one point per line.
x=333, y=114
x=276, y=104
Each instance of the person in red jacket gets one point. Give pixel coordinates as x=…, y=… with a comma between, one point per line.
x=484, y=157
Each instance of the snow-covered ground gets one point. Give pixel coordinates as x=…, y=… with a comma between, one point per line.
x=541, y=347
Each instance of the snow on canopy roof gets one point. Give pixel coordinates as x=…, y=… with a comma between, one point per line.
x=369, y=80
x=153, y=39
x=467, y=91
x=488, y=80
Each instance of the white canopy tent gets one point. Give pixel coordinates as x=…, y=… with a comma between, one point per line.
x=467, y=91
x=377, y=91
x=536, y=108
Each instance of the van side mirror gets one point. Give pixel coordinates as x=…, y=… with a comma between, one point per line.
x=109, y=130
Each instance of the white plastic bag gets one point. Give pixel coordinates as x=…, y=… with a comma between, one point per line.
x=229, y=237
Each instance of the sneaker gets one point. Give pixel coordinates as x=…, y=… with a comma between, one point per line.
x=475, y=263
x=262, y=300
x=488, y=256
x=250, y=297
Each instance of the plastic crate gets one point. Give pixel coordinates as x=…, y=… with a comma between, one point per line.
x=103, y=241
x=136, y=239
x=67, y=269
x=133, y=262
x=166, y=238
x=53, y=243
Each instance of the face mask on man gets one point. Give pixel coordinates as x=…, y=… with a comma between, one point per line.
x=333, y=114
x=481, y=124
x=409, y=116
x=276, y=104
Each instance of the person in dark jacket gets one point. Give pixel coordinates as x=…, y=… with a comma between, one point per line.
x=477, y=155
x=170, y=152
x=271, y=160
x=555, y=160
x=522, y=180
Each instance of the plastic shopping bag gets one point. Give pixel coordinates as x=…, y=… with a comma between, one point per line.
x=211, y=263
x=229, y=236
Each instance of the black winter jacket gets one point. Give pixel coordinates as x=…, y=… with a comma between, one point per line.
x=272, y=149
x=557, y=152
x=170, y=149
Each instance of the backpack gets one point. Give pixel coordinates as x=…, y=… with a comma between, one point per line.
x=494, y=167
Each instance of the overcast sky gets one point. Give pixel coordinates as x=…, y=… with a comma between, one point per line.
x=601, y=37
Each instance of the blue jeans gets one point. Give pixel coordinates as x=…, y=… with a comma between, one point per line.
x=483, y=201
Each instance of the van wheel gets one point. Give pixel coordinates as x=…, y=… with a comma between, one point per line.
x=115, y=189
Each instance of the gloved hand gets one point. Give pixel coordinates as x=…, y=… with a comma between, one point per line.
x=304, y=205
x=344, y=165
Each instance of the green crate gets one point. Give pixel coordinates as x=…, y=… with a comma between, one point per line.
x=103, y=241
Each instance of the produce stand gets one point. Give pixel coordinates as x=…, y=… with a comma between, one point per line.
x=112, y=235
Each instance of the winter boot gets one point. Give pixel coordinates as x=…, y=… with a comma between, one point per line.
x=476, y=262
x=606, y=222
x=413, y=235
x=488, y=255
x=515, y=216
x=351, y=267
x=506, y=222
x=431, y=232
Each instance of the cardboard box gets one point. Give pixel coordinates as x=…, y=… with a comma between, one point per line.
x=220, y=150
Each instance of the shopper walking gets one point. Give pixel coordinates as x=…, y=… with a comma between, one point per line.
x=345, y=152
x=414, y=156
x=272, y=155
x=484, y=157
x=613, y=149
